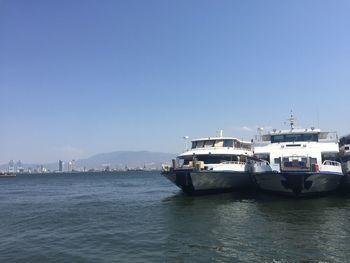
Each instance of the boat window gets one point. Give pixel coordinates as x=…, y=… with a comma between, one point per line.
x=216, y=159
x=294, y=163
x=200, y=144
x=238, y=144
x=219, y=143
x=243, y=158
x=209, y=143
x=246, y=146
x=194, y=145
x=277, y=138
x=295, y=137
x=314, y=138
x=263, y=156
x=228, y=143
x=310, y=137
x=332, y=156
x=277, y=160
x=266, y=138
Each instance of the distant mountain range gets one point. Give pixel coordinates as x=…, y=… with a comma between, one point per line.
x=129, y=158
x=118, y=159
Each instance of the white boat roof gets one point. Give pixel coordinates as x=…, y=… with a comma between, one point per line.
x=220, y=138
x=323, y=136
x=216, y=151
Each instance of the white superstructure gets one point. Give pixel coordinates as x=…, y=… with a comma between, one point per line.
x=298, y=161
x=309, y=146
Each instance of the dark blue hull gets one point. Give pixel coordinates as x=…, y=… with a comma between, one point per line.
x=298, y=183
x=201, y=182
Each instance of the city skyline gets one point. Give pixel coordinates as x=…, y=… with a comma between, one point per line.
x=113, y=161
x=86, y=77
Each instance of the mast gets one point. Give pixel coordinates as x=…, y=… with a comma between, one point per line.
x=291, y=120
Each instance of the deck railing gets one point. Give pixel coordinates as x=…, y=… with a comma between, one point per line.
x=217, y=148
x=329, y=162
x=233, y=162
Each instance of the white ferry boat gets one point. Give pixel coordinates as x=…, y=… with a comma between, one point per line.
x=212, y=164
x=298, y=162
x=344, y=148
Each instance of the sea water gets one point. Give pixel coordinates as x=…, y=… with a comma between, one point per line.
x=141, y=217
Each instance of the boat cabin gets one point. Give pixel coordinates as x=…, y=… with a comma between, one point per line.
x=220, y=143
x=310, y=145
x=216, y=150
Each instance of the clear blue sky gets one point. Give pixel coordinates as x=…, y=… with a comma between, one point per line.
x=84, y=77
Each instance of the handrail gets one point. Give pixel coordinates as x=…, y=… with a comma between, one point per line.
x=219, y=147
x=232, y=162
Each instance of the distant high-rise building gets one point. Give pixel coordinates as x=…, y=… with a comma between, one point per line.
x=19, y=168
x=71, y=165
x=60, y=166
x=11, y=168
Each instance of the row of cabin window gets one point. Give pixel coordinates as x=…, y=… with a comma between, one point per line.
x=303, y=161
x=303, y=137
x=216, y=159
x=331, y=156
x=219, y=143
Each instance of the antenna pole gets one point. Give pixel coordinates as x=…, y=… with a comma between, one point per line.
x=291, y=120
x=186, y=142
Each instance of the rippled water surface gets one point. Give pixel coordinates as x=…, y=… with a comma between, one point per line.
x=141, y=217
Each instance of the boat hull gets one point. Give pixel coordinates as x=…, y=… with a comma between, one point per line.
x=345, y=183
x=298, y=183
x=8, y=175
x=192, y=182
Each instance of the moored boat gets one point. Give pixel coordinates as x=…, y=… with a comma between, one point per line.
x=213, y=164
x=298, y=162
x=7, y=174
x=344, y=154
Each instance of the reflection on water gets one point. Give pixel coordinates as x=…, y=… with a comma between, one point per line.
x=259, y=227
x=141, y=217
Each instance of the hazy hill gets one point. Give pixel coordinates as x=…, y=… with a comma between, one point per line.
x=129, y=158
